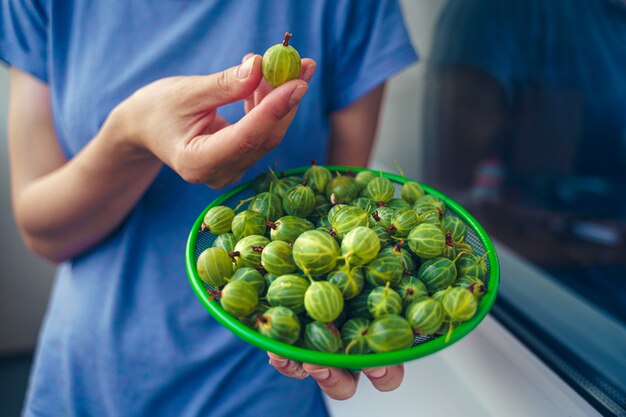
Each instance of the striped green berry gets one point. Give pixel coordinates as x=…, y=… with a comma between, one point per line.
x=277, y=258
x=218, y=220
x=323, y=301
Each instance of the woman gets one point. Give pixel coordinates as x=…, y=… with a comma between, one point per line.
x=107, y=150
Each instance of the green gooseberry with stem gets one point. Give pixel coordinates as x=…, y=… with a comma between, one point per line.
x=251, y=276
x=411, y=191
x=408, y=264
x=248, y=223
x=382, y=301
x=459, y=304
x=389, y=333
x=455, y=226
x=283, y=185
x=318, y=177
x=380, y=190
x=214, y=266
x=341, y=190
x=472, y=264
x=360, y=246
x=323, y=301
x=279, y=323
x=347, y=219
x=239, y=298
x=383, y=216
x=225, y=241
x=267, y=205
x=425, y=316
x=281, y=63
x=299, y=200
x=248, y=251
x=323, y=337
x=473, y=284
x=426, y=241
x=410, y=289
x=354, y=336
x=362, y=178
x=385, y=268
x=402, y=222
x=429, y=215
x=315, y=253
x=288, y=228
x=288, y=291
x=277, y=258
x=350, y=281
x=218, y=220
x=437, y=273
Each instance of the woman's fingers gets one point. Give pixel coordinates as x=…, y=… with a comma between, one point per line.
x=264, y=88
x=308, y=69
x=287, y=367
x=338, y=384
x=233, y=84
x=387, y=378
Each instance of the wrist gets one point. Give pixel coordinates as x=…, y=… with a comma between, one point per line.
x=123, y=139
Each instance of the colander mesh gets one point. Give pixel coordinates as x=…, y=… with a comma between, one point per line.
x=205, y=240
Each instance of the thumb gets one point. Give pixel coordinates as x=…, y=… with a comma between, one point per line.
x=230, y=85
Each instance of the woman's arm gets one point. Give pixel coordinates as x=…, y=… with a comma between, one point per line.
x=64, y=207
x=353, y=129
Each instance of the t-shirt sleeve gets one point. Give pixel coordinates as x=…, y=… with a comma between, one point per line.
x=370, y=44
x=23, y=36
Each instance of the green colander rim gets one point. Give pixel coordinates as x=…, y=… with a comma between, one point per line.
x=340, y=360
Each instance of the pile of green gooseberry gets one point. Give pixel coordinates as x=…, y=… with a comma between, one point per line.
x=340, y=263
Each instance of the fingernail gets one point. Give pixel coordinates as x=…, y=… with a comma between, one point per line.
x=244, y=69
x=280, y=363
x=296, y=96
x=321, y=374
x=308, y=73
x=377, y=372
x=304, y=374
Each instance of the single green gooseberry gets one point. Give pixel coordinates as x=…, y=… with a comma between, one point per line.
x=323, y=301
x=315, y=252
x=279, y=323
x=218, y=220
x=281, y=63
x=214, y=267
x=277, y=258
x=318, y=177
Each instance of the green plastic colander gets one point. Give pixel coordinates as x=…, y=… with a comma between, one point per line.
x=422, y=345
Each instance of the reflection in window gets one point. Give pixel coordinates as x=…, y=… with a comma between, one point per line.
x=526, y=111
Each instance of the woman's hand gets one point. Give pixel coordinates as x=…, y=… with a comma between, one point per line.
x=339, y=384
x=172, y=121
x=175, y=119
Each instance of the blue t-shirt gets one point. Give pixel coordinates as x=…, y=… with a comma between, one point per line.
x=562, y=66
x=124, y=333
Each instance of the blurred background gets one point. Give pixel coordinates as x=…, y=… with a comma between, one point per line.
x=518, y=111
